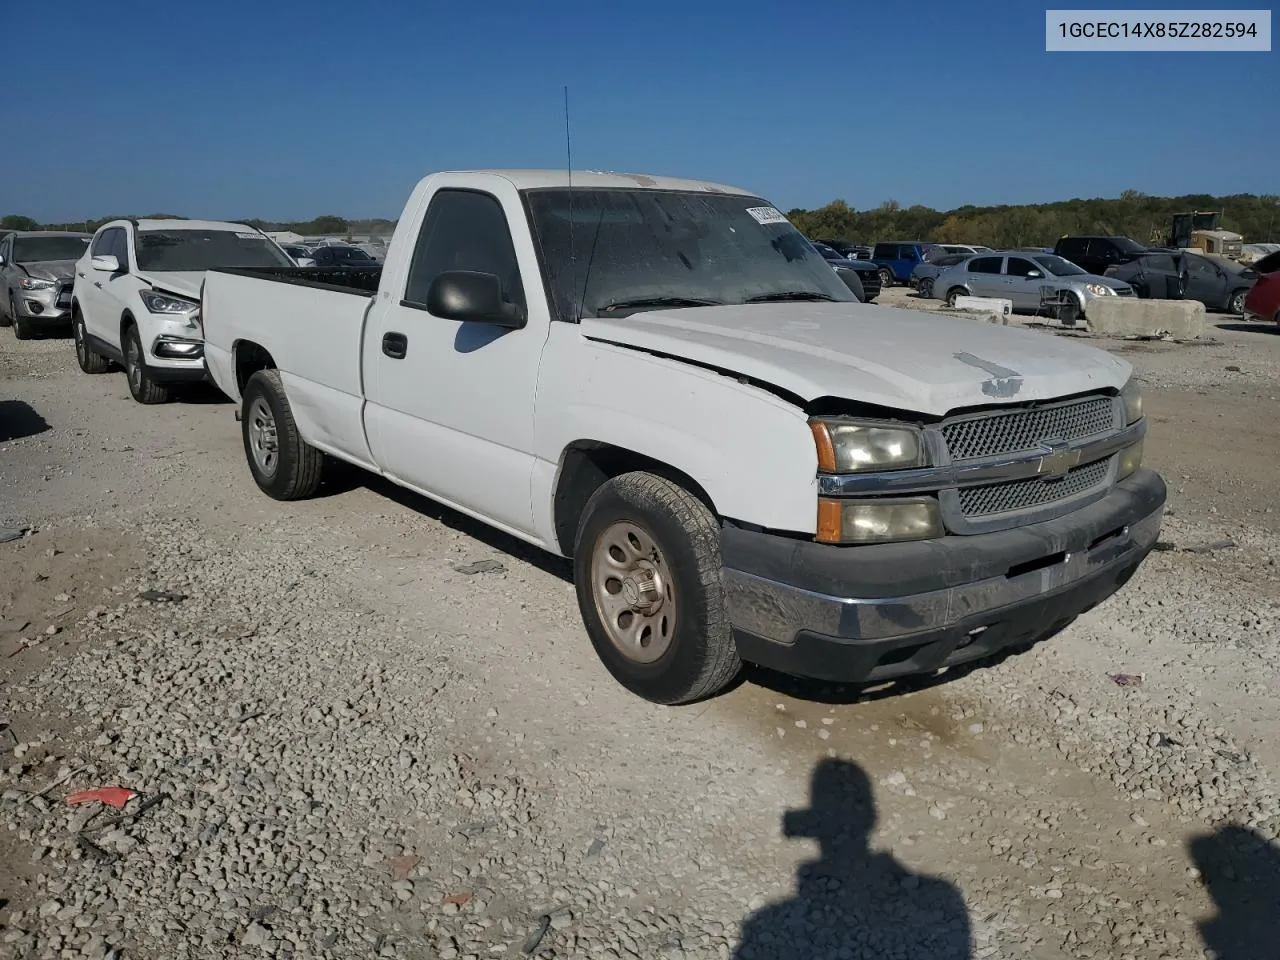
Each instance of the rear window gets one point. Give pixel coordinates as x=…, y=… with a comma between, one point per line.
x=37, y=249
x=192, y=250
x=985, y=265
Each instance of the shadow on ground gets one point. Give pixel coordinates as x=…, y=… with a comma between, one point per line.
x=1241, y=870
x=854, y=901
x=19, y=419
x=1260, y=327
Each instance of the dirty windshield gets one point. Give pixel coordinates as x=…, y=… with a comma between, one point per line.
x=179, y=250
x=42, y=249
x=612, y=252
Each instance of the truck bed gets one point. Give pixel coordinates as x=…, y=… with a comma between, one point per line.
x=362, y=281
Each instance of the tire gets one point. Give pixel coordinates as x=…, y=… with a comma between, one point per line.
x=21, y=329
x=141, y=384
x=886, y=278
x=925, y=288
x=645, y=537
x=293, y=469
x=953, y=293
x=1068, y=312
x=1236, y=304
x=89, y=361
x=6, y=312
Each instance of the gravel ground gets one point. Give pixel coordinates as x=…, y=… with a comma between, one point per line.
x=342, y=746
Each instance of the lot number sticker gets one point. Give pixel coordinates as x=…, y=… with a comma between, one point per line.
x=766, y=215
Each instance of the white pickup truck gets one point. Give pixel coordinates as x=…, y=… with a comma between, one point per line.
x=662, y=380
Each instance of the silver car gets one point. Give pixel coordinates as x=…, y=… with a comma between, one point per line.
x=36, y=271
x=1034, y=282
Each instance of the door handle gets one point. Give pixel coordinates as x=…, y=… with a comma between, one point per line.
x=79, y=274
x=97, y=284
x=395, y=345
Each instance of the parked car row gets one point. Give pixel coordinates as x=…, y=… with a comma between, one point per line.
x=735, y=454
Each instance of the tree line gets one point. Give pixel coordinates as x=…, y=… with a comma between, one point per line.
x=326, y=225
x=1133, y=214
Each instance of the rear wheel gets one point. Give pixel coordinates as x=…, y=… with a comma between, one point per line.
x=886, y=278
x=142, y=385
x=284, y=465
x=89, y=361
x=647, y=571
x=925, y=288
x=953, y=294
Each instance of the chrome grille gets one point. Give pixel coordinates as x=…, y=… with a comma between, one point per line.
x=1034, y=492
x=1018, y=430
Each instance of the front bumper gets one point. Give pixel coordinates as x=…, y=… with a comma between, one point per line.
x=875, y=613
x=45, y=305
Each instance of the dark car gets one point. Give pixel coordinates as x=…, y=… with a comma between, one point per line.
x=339, y=255
x=1096, y=254
x=896, y=260
x=850, y=251
x=1218, y=283
x=1268, y=264
x=860, y=276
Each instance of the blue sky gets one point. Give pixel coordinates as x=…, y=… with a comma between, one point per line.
x=286, y=110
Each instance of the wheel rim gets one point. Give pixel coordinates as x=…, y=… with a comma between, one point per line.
x=1237, y=303
x=134, y=363
x=926, y=288
x=951, y=298
x=262, y=437
x=634, y=592
x=886, y=278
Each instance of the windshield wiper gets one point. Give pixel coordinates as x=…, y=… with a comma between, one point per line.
x=786, y=295
x=636, y=302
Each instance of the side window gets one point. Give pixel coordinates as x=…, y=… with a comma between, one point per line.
x=1073, y=248
x=1018, y=267
x=985, y=265
x=100, y=244
x=464, y=230
x=1202, y=267
x=119, y=248
x=886, y=251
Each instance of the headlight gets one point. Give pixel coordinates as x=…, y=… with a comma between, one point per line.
x=163, y=303
x=31, y=283
x=852, y=446
x=878, y=521
x=1131, y=395
x=1130, y=460
x=1099, y=289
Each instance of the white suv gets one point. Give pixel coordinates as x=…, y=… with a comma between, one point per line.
x=136, y=298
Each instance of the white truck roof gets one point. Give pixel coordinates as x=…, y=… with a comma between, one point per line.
x=600, y=179
x=194, y=225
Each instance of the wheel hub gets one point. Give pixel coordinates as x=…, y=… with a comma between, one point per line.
x=262, y=437
x=633, y=590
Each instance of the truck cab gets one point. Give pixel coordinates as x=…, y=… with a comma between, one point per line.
x=663, y=381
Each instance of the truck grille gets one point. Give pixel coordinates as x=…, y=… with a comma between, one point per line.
x=1014, y=495
x=1019, y=430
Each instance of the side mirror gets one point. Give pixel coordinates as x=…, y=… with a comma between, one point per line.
x=473, y=298
x=1, y=260
x=1034, y=274
x=106, y=263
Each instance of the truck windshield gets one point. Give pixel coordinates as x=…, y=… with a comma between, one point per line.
x=179, y=250
x=38, y=249
x=606, y=249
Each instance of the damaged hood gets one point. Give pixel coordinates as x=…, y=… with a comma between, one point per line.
x=900, y=359
x=50, y=269
x=185, y=283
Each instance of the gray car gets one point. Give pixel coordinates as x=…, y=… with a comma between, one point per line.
x=36, y=273
x=1034, y=282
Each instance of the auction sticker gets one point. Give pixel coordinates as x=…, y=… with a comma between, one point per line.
x=766, y=215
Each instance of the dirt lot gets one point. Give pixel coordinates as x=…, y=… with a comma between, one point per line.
x=343, y=746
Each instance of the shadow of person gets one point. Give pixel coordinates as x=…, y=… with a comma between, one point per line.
x=1241, y=870
x=853, y=902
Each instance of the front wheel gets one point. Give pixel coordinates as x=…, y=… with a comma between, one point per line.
x=89, y=361
x=284, y=466
x=650, y=588
x=886, y=278
x=925, y=288
x=1236, y=303
x=21, y=328
x=142, y=385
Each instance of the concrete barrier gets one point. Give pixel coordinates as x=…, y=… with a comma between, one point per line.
x=990, y=309
x=1131, y=317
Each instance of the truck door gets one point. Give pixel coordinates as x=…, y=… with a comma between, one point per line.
x=450, y=404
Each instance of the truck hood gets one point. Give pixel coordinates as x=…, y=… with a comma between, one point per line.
x=50, y=269
x=900, y=359
x=185, y=283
